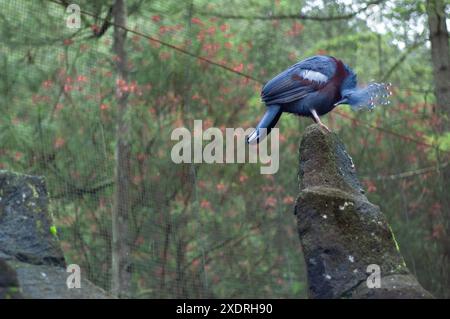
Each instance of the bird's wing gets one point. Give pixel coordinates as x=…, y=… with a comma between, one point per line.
x=299, y=80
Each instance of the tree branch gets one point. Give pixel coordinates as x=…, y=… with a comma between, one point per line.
x=408, y=174
x=402, y=58
x=298, y=16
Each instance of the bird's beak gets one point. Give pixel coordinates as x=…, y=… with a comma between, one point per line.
x=253, y=138
x=343, y=101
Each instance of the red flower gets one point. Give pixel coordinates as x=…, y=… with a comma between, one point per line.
x=224, y=27
x=243, y=178
x=141, y=157
x=220, y=187
x=122, y=85
x=67, y=88
x=163, y=29
x=288, y=200
x=270, y=202
x=47, y=84
x=196, y=21
x=67, y=41
x=201, y=184
x=211, y=30
x=371, y=187
x=205, y=204
x=82, y=78
x=156, y=18
x=239, y=68
x=295, y=30
x=18, y=156
x=95, y=28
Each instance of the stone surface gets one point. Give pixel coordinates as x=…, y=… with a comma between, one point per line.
x=25, y=221
x=9, y=285
x=49, y=282
x=32, y=264
x=341, y=232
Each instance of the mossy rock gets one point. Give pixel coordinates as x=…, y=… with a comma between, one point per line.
x=32, y=264
x=25, y=221
x=341, y=232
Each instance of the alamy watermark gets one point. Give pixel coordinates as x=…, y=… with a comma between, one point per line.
x=231, y=149
x=73, y=21
x=74, y=279
x=374, y=279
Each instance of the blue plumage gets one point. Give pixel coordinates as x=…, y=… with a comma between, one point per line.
x=314, y=87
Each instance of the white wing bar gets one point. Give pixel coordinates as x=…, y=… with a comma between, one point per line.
x=313, y=76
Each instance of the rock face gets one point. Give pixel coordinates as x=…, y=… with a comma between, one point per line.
x=9, y=285
x=24, y=221
x=341, y=232
x=32, y=264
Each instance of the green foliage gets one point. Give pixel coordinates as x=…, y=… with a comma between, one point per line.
x=210, y=230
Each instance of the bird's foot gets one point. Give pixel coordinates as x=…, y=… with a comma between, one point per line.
x=324, y=126
x=317, y=120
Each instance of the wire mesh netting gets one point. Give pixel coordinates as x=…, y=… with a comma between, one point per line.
x=199, y=230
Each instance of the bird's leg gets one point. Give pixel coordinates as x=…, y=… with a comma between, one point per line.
x=318, y=121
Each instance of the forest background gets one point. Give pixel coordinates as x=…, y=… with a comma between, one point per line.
x=92, y=109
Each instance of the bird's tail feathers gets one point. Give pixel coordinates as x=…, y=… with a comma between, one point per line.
x=267, y=123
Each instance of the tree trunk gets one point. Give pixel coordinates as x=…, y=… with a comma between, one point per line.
x=121, y=275
x=440, y=55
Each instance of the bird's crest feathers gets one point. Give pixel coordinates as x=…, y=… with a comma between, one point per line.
x=369, y=97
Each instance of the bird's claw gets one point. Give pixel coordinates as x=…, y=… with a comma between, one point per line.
x=325, y=127
x=317, y=120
